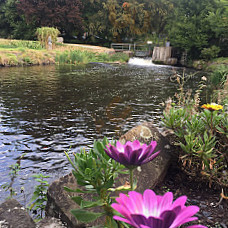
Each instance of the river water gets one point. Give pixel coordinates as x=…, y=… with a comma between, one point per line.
x=45, y=110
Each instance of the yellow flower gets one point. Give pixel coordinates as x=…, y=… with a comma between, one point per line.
x=212, y=107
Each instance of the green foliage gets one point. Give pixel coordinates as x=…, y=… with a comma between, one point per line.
x=14, y=170
x=39, y=198
x=12, y=22
x=219, y=76
x=190, y=28
x=202, y=138
x=44, y=32
x=96, y=173
x=84, y=57
x=201, y=135
x=210, y=53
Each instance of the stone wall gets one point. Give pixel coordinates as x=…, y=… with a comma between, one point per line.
x=163, y=55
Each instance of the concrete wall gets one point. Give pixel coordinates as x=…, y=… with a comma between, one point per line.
x=161, y=53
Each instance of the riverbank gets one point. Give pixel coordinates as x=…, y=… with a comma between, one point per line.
x=25, y=53
x=211, y=65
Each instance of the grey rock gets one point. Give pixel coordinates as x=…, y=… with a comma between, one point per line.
x=13, y=215
x=153, y=172
x=48, y=222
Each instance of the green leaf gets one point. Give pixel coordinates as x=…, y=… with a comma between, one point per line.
x=77, y=199
x=85, y=216
x=111, y=223
x=89, y=204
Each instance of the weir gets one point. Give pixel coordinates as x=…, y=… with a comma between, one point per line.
x=162, y=55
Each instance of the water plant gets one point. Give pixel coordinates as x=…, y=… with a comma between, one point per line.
x=14, y=170
x=39, y=198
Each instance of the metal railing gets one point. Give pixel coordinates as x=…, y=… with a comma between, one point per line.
x=138, y=49
x=121, y=46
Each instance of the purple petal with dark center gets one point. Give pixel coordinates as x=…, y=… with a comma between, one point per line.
x=146, y=154
x=109, y=154
x=151, y=158
x=185, y=215
x=128, y=151
x=139, y=219
x=168, y=217
x=177, y=210
x=180, y=201
x=123, y=159
x=155, y=222
x=134, y=157
x=114, y=153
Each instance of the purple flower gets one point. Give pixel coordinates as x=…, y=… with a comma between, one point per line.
x=132, y=153
x=154, y=211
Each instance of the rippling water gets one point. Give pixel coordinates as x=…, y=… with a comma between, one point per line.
x=46, y=110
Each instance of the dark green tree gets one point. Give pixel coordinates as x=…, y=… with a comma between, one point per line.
x=189, y=28
x=12, y=23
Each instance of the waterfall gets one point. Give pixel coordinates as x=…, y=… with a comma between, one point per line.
x=141, y=61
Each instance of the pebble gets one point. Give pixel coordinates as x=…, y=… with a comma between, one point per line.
x=206, y=213
x=223, y=225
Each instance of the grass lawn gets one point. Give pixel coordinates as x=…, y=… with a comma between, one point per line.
x=21, y=52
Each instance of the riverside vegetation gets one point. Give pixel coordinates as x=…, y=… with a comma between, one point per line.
x=24, y=53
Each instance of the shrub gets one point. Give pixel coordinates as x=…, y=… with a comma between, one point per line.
x=210, y=53
x=43, y=34
x=202, y=137
x=219, y=76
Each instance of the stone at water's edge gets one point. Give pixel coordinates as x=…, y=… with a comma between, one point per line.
x=59, y=203
x=13, y=215
x=153, y=172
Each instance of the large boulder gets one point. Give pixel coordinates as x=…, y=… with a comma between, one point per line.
x=153, y=172
x=13, y=215
x=59, y=203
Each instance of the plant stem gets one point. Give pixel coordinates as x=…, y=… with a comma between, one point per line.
x=131, y=178
x=211, y=123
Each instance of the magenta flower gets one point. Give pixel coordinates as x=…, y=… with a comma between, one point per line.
x=132, y=153
x=154, y=211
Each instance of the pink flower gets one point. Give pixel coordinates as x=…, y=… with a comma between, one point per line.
x=154, y=211
x=132, y=153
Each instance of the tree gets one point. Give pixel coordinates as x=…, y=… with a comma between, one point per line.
x=12, y=23
x=189, y=28
x=62, y=14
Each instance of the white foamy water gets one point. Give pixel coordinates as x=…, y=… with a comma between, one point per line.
x=146, y=62
x=141, y=61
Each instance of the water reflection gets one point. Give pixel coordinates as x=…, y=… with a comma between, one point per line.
x=45, y=110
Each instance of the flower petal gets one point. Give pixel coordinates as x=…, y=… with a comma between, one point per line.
x=185, y=215
x=150, y=203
